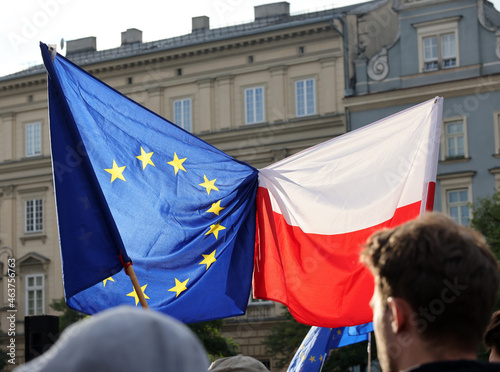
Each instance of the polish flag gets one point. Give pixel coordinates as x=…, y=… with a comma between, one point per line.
x=316, y=209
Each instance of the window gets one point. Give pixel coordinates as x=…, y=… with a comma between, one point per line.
x=34, y=215
x=182, y=113
x=254, y=105
x=438, y=44
x=33, y=139
x=456, y=195
x=439, y=52
x=305, y=97
x=496, y=173
x=34, y=294
x=458, y=205
x=454, y=139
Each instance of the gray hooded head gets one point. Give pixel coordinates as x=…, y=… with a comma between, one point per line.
x=124, y=339
x=238, y=363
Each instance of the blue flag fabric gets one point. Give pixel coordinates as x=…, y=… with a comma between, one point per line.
x=314, y=350
x=129, y=183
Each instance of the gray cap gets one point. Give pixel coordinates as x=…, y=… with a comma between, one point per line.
x=238, y=363
x=124, y=339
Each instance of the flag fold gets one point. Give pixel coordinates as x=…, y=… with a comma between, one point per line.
x=316, y=208
x=314, y=350
x=129, y=183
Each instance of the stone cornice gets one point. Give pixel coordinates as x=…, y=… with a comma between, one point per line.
x=243, y=133
x=203, y=49
x=207, y=48
x=447, y=176
x=41, y=165
x=476, y=86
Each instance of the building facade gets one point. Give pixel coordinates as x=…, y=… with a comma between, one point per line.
x=262, y=91
x=411, y=51
x=258, y=91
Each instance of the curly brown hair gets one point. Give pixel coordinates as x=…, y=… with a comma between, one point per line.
x=445, y=271
x=492, y=334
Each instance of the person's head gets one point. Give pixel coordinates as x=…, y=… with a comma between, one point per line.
x=435, y=287
x=237, y=363
x=492, y=337
x=124, y=339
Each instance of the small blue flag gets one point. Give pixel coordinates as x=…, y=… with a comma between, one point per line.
x=314, y=350
x=129, y=183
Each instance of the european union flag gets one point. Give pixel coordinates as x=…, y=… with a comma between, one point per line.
x=314, y=350
x=129, y=183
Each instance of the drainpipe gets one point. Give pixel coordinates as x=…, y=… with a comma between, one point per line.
x=347, y=83
x=348, y=91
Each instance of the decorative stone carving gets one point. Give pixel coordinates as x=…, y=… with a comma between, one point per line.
x=497, y=49
x=378, y=67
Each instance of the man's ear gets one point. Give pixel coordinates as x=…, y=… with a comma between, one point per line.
x=400, y=311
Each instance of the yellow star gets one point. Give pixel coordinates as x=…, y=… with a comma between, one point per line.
x=179, y=287
x=216, y=208
x=134, y=294
x=339, y=332
x=312, y=359
x=214, y=229
x=208, y=259
x=116, y=172
x=321, y=358
x=106, y=280
x=209, y=185
x=145, y=158
x=177, y=163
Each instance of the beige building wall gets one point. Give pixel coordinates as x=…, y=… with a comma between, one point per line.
x=214, y=75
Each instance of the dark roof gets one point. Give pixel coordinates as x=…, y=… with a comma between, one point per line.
x=197, y=37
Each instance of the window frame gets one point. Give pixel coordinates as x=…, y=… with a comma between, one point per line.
x=182, y=122
x=444, y=138
x=459, y=204
x=254, y=105
x=314, y=98
x=454, y=182
x=496, y=122
x=33, y=141
x=35, y=288
x=438, y=29
x=34, y=223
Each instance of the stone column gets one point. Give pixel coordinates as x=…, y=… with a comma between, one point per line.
x=7, y=138
x=224, y=115
x=156, y=101
x=277, y=95
x=327, y=87
x=204, y=119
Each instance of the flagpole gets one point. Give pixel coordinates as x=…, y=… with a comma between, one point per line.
x=369, y=352
x=131, y=273
x=323, y=361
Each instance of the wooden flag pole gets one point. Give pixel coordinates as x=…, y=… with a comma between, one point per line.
x=369, y=352
x=131, y=273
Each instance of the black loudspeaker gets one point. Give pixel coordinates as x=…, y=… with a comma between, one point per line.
x=41, y=331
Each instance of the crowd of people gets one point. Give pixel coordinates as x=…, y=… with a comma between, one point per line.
x=435, y=287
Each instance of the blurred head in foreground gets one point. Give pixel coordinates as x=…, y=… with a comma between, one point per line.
x=124, y=339
x=435, y=287
x=238, y=363
x=492, y=337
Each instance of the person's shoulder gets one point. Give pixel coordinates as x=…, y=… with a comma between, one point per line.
x=458, y=365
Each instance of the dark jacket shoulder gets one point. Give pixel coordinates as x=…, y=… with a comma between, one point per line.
x=458, y=365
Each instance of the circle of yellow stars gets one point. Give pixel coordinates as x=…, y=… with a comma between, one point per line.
x=209, y=185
